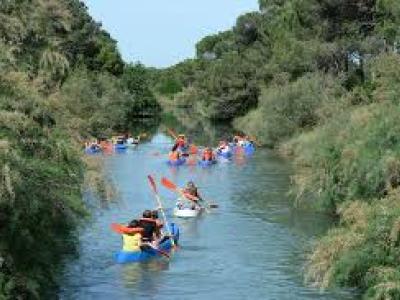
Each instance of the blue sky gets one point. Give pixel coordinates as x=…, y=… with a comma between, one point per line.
x=160, y=32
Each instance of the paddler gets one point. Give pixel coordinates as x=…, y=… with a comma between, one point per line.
x=131, y=241
x=180, y=141
x=208, y=154
x=154, y=216
x=149, y=226
x=192, y=193
x=223, y=147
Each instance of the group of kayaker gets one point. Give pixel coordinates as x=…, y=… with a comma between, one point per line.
x=145, y=232
x=224, y=149
x=142, y=233
x=106, y=145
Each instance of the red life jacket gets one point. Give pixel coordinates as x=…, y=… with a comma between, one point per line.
x=207, y=155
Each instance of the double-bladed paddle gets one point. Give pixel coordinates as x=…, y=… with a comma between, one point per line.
x=158, y=199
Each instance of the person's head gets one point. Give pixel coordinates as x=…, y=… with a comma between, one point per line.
x=147, y=214
x=154, y=214
x=181, y=136
x=191, y=184
x=133, y=224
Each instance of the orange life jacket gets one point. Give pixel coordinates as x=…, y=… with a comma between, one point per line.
x=207, y=155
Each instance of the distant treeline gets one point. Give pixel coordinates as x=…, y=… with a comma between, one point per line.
x=320, y=81
x=61, y=79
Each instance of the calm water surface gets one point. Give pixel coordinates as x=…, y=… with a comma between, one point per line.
x=252, y=247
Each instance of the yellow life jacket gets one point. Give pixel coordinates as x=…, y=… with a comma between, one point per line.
x=131, y=242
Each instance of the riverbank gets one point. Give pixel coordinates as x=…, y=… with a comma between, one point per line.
x=348, y=164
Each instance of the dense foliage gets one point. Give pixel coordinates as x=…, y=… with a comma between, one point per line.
x=318, y=79
x=61, y=79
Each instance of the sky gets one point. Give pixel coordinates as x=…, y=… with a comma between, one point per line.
x=160, y=33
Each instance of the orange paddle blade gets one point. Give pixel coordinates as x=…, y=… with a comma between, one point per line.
x=117, y=228
x=121, y=229
x=168, y=184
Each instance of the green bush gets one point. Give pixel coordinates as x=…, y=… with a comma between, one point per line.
x=287, y=110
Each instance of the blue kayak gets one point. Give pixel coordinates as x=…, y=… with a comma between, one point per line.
x=249, y=149
x=122, y=257
x=93, y=150
x=175, y=163
x=120, y=146
x=207, y=163
x=227, y=154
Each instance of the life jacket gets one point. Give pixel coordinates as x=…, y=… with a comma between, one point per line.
x=173, y=155
x=131, y=242
x=207, y=155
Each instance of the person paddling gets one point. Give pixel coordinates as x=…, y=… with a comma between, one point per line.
x=181, y=141
x=132, y=239
x=191, y=190
x=159, y=224
x=149, y=226
x=208, y=154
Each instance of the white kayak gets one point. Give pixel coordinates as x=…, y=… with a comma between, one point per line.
x=187, y=212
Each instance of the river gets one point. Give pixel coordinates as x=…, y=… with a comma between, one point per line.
x=252, y=247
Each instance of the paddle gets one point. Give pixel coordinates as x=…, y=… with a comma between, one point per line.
x=154, y=188
x=121, y=229
x=172, y=186
x=172, y=133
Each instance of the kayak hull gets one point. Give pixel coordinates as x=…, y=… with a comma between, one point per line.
x=123, y=257
x=249, y=149
x=187, y=212
x=226, y=155
x=207, y=163
x=176, y=163
x=92, y=151
x=120, y=146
